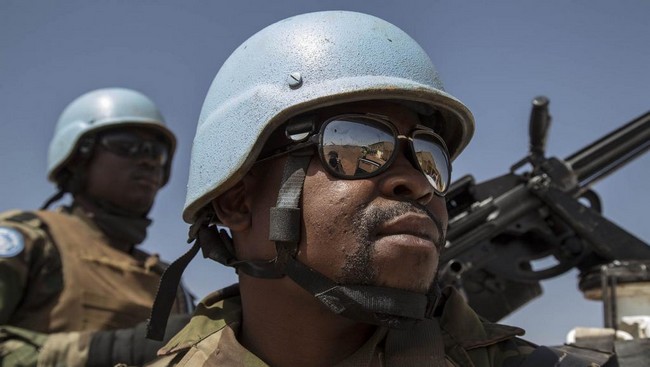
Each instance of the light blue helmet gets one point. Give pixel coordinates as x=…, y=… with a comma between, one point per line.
x=303, y=63
x=99, y=110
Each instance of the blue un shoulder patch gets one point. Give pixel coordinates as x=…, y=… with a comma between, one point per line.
x=11, y=242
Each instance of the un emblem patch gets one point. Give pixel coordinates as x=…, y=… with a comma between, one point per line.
x=11, y=242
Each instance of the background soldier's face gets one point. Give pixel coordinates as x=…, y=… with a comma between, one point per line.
x=130, y=183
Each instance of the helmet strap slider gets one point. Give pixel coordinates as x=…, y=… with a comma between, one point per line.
x=300, y=129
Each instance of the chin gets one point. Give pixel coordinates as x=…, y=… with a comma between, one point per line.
x=414, y=281
x=407, y=275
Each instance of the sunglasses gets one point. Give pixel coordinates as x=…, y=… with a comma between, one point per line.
x=131, y=145
x=357, y=146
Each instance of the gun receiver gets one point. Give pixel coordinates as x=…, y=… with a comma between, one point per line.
x=499, y=228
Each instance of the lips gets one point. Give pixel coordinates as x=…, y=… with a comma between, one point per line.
x=148, y=179
x=410, y=224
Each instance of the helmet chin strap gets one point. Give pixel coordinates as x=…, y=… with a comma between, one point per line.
x=391, y=307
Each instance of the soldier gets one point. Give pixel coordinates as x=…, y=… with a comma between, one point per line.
x=67, y=274
x=337, y=263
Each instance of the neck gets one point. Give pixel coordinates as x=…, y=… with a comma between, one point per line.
x=86, y=204
x=278, y=316
x=124, y=231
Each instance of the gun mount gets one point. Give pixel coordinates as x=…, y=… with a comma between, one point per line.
x=500, y=227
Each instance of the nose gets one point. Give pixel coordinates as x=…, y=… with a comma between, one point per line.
x=404, y=180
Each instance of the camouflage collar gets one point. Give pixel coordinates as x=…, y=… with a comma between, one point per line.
x=462, y=326
x=217, y=310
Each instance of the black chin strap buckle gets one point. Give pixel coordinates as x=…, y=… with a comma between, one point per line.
x=433, y=296
x=216, y=245
x=390, y=307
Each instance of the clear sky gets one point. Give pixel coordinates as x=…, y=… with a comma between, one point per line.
x=589, y=57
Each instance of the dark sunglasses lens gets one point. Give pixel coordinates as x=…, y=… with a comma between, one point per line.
x=154, y=149
x=121, y=144
x=356, y=147
x=433, y=160
x=130, y=145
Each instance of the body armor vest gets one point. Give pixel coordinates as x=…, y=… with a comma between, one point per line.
x=103, y=287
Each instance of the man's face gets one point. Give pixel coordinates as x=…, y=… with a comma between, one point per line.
x=385, y=230
x=130, y=183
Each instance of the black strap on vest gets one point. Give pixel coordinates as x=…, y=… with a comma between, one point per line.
x=56, y=197
x=166, y=294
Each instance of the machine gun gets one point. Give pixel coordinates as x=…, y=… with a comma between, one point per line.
x=498, y=229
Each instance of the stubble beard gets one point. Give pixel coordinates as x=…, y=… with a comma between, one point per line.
x=359, y=268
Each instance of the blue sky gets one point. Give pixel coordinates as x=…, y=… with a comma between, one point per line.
x=589, y=57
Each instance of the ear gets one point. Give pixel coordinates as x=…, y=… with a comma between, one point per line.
x=232, y=208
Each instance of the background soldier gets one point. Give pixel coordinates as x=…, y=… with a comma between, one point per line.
x=336, y=268
x=69, y=273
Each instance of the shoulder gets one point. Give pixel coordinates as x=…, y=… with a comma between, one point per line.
x=28, y=221
x=12, y=241
x=20, y=231
x=465, y=327
x=26, y=245
x=468, y=337
x=211, y=316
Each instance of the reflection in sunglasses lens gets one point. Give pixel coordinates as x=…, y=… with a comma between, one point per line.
x=432, y=160
x=356, y=148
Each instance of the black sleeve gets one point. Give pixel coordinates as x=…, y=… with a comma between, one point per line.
x=130, y=346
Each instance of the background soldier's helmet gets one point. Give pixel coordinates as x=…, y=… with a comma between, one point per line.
x=303, y=63
x=99, y=110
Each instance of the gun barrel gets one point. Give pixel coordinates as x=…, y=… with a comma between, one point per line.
x=611, y=152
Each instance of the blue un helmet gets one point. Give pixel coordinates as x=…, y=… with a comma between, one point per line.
x=297, y=65
x=92, y=112
x=304, y=63
x=99, y=110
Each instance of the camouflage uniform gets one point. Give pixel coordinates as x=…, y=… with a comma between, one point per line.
x=65, y=277
x=210, y=339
